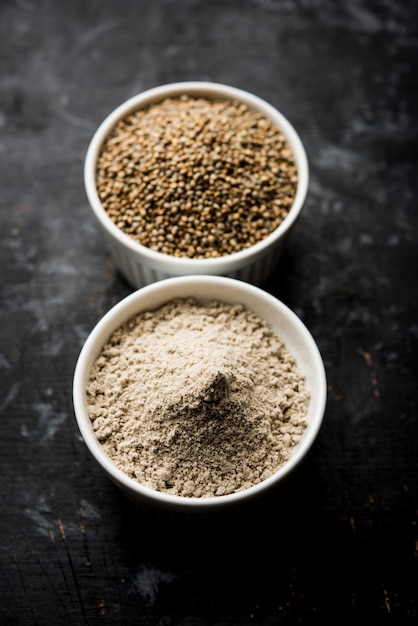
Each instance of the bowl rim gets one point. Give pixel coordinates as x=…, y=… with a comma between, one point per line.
x=211, y=90
x=162, y=291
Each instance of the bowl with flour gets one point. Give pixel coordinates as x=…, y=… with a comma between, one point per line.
x=199, y=393
x=196, y=178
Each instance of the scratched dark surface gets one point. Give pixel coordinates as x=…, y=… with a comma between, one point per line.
x=339, y=541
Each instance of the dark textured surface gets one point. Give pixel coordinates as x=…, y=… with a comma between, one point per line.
x=339, y=542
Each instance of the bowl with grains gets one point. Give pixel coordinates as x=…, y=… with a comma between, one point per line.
x=199, y=393
x=196, y=178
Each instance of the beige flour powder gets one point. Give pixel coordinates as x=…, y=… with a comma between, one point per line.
x=197, y=400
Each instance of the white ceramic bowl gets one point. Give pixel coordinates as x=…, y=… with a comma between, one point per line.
x=282, y=320
x=141, y=265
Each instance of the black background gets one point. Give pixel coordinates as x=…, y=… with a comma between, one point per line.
x=339, y=541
